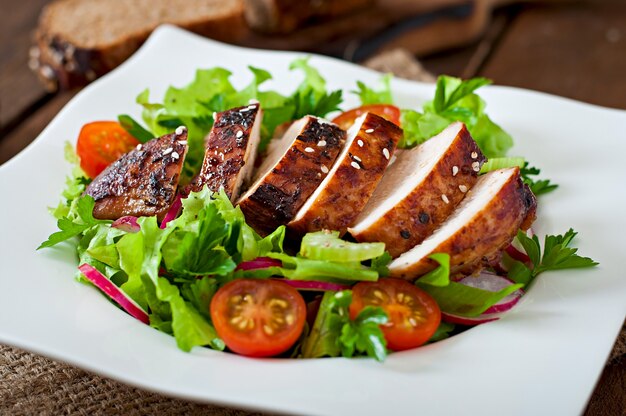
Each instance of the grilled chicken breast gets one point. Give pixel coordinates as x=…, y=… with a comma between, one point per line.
x=484, y=223
x=294, y=167
x=420, y=190
x=352, y=179
x=230, y=151
x=143, y=182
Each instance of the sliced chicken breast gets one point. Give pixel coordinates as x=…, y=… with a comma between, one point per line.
x=231, y=149
x=419, y=190
x=341, y=196
x=483, y=224
x=294, y=167
x=143, y=182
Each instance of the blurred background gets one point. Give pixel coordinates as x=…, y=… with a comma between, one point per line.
x=50, y=49
x=575, y=49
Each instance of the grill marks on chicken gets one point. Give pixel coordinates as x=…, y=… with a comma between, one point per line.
x=231, y=149
x=420, y=190
x=352, y=179
x=143, y=182
x=482, y=225
x=293, y=169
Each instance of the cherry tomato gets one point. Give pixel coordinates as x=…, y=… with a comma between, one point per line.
x=101, y=143
x=258, y=318
x=413, y=314
x=386, y=111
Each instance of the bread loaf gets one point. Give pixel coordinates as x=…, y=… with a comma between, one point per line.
x=79, y=40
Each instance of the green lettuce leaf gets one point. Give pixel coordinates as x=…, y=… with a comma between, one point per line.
x=190, y=328
x=368, y=95
x=455, y=100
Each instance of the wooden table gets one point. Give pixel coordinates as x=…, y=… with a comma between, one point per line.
x=573, y=50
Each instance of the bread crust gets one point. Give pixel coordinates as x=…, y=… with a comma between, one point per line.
x=61, y=62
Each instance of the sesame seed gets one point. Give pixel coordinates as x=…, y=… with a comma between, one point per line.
x=168, y=151
x=358, y=159
x=393, y=159
x=243, y=110
x=463, y=188
x=386, y=153
x=324, y=169
x=139, y=146
x=355, y=165
x=369, y=131
x=222, y=156
x=445, y=199
x=309, y=149
x=455, y=170
x=253, y=101
x=474, y=155
x=214, y=116
x=476, y=166
x=175, y=155
x=182, y=142
x=239, y=134
x=359, y=142
x=321, y=143
x=319, y=175
x=180, y=130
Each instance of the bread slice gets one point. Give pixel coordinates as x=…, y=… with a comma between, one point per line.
x=352, y=179
x=419, y=190
x=79, y=40
x=143, y=182
x=292, y=170
x=285, y=16
x=231, y=149
x=483, y=224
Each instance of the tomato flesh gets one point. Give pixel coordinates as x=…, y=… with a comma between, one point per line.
x=258, y=318
x=413, y=314
x=386, y=111
x=101, y=143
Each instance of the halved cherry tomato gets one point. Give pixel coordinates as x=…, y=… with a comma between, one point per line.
x=386, y=111
x=258, y=318
x=101, y=143
x=413, y=314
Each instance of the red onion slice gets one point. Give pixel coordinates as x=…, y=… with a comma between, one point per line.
x=314, y=285
x=259, y=263
x=114, y=292
x=127, y=223
x=492, y=283
x=173, y=212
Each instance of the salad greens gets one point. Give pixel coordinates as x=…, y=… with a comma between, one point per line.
x=174, y=272
x=335, y=334
x=557, y=255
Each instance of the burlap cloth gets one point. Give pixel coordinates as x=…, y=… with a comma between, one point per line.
x=34, y=385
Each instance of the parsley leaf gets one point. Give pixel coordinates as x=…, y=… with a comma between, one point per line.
x=538, y=186
x=72, y=227
x=556, y=255
x=335, y=334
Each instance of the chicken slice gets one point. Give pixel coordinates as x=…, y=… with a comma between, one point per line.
x=294, y=167
x=142, y=182
x=231, y=149
x=419, y=190
x=352, y=179
x=484, y=223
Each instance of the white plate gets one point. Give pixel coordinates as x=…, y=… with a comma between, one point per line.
x=542, y=358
